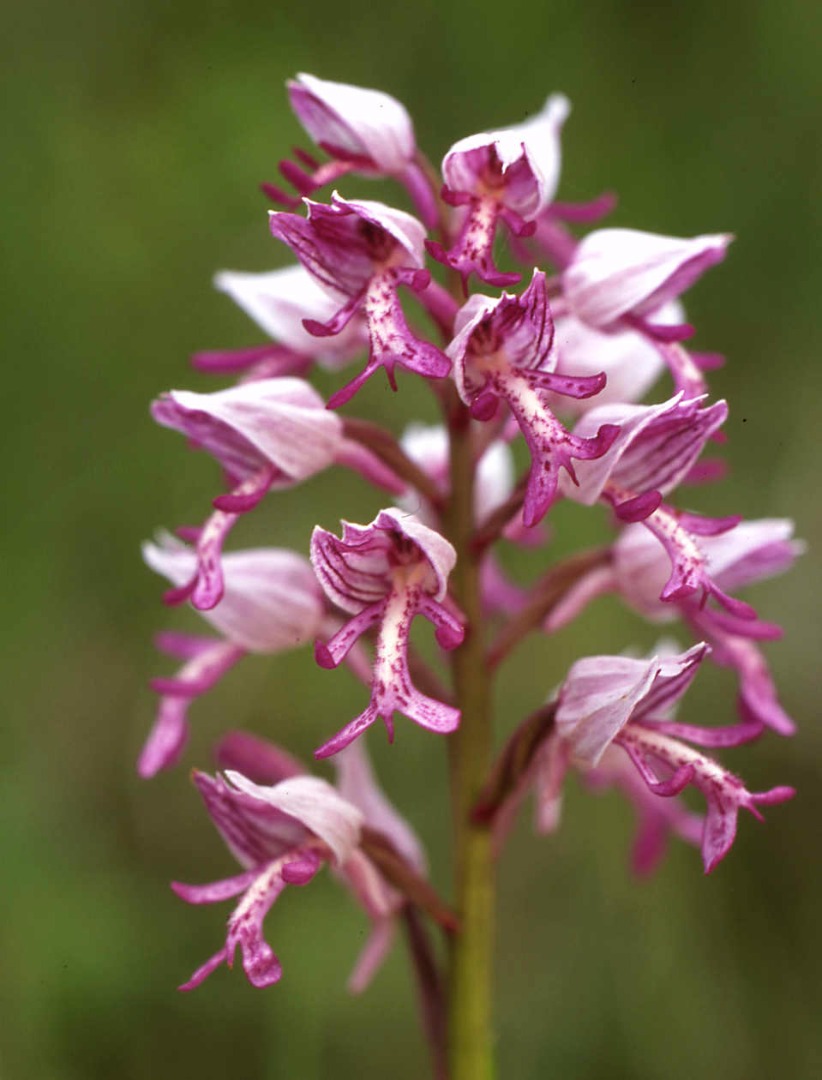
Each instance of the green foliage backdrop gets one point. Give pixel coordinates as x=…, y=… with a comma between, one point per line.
x=134, y=133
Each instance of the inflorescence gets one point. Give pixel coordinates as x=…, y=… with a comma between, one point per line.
x=563, y=363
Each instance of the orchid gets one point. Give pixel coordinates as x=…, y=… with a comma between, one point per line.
x=271, y=603
x=268, y=435
x=503, y=350
x=556, y=378
x=509, y=175
x=361, y=251
x=281, y=827
x=280, y=835
x=384, y=574
x=748, y=553
x=610, y=702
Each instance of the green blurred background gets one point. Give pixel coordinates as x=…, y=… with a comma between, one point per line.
x=134, y=134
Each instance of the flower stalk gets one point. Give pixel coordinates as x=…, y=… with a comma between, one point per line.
x=470, y=747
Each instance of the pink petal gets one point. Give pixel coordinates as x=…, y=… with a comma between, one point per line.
x=313, y=803
x=351, y=120
x=271, y=600
x=615, y=272
x=601, y=694
x=279, y=300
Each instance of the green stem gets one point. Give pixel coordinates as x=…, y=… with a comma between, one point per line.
x=469, y=1028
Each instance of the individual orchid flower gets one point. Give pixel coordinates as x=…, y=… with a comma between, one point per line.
x=368, y=129
x=617, y=701
x=360, y=251
x=545, y=774
x=279, y=301
x=272, y=603
x=754, y=550
x=385, y=574
x=621, y=278
x=280, y=835
x=511, y=174
x=268, y=435
x=364, y=131
x=264, y=763
x=656, y=448
x=503, y=350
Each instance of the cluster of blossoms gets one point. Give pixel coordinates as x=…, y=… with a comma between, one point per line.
x=564, y=363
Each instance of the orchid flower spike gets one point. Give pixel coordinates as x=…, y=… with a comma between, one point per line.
x=511, y=174
x=360, y=251
x=384, y=574
x=272, y=603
